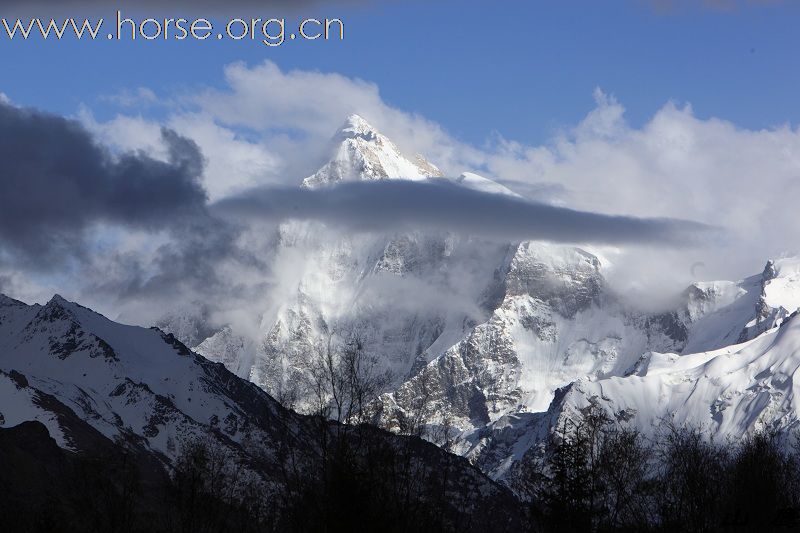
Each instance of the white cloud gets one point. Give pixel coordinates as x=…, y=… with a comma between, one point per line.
x=311, y=105
x=676, y=165
x=140, y=96
x=232, y=163
x=270, y=126
x=126, y=133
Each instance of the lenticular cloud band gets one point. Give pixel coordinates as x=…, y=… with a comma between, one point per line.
x=439, y=204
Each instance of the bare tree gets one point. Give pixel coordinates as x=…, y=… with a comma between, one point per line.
x=344, y=378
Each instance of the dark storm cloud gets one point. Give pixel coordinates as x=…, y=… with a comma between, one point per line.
x=391, y=205
x=190, y=260
x=56, y=182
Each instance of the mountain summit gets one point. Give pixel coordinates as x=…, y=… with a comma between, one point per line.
x=356, y=126
x=363, y=153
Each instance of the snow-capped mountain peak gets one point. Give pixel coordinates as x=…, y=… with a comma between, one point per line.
x=355, y=126
x=361, y=152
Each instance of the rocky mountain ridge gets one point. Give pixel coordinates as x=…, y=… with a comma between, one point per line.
x=96, y=387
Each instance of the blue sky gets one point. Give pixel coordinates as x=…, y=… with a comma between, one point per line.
x=524, y=70
x=505, y=90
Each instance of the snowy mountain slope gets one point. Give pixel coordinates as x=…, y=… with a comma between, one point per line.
x=22, y=403
x=399, y=294
x=128, y=383
x=722, y=313
x=727, y=392
x=718, y=311
x=95, y=385
x=232, y=350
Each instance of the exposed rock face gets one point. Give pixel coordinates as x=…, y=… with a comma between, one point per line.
x=568, y=280
x=554, y=324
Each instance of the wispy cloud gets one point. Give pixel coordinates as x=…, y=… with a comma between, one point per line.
x=140, y=97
